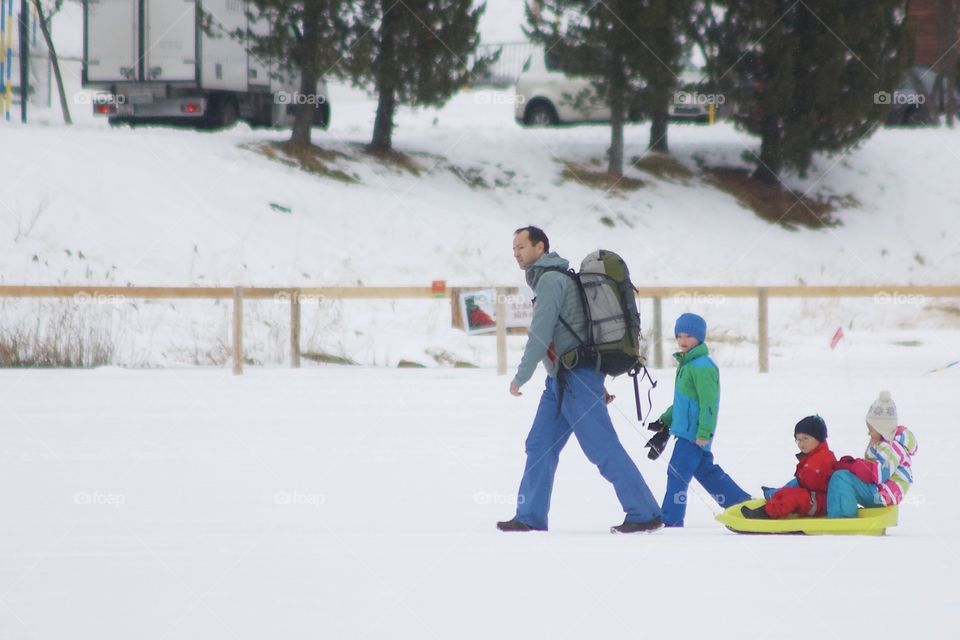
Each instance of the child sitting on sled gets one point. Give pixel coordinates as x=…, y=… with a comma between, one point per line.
x=806, y=494
x=882, y=477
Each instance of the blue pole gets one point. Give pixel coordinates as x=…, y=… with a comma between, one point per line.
x=3, y=57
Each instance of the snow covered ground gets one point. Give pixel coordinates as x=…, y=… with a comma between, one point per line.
x=360, y=503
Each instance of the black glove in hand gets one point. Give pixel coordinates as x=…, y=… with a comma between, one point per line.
x=657, y=443
x=657, y=426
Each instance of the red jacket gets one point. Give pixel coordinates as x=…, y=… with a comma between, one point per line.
x=810, y=498
x=815, y=468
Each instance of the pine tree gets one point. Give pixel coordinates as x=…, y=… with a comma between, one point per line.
x=306, y=39
x=412, y=52
x=664, y=32
x=808, y=75
x=629, y=48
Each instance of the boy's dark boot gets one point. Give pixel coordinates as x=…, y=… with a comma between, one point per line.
x=754, y=514
x=515, y=525
x=638, y=527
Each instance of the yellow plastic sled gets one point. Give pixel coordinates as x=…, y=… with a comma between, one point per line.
x=869, y=522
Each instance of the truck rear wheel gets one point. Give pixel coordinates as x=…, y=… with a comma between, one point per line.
x=221, y=114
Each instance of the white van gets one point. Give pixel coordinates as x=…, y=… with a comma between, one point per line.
x=546, y=97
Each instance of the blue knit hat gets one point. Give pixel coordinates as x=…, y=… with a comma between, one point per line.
x=692, y=325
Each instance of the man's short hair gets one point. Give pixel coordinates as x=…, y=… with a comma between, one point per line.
x=537, y=236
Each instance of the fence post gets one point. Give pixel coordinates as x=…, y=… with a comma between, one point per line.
x=237, y=331
x=762, y=330
x=501, y=332
x=657, y=333
x=295, y=329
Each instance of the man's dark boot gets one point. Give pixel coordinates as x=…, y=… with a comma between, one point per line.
x=515, y=525
x=638, y=527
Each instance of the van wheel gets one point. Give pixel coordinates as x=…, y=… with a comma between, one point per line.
x=540, y=114
x=321, y=117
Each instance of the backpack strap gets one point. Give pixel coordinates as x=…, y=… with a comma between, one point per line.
x=636, y=374
x=570, y=273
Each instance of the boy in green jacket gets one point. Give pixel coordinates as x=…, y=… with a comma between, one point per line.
x=693, y=420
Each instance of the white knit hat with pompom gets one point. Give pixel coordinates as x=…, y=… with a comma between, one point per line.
x=882, y=416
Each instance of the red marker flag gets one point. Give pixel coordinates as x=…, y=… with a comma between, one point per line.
x=837, y=337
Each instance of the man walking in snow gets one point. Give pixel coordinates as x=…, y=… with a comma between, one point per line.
x=573, y=400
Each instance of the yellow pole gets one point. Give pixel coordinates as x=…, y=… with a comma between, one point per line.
x=711, y=113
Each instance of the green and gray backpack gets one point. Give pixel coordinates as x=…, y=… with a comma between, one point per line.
x=612, y=343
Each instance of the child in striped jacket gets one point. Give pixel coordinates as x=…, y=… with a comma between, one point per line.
x=883, y=476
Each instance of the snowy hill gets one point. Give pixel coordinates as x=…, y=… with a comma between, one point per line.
x=478, y=176
x=156, y=206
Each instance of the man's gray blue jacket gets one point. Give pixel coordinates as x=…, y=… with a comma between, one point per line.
x=556, y=296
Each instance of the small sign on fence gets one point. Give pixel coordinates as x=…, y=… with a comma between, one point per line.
x=478, y=311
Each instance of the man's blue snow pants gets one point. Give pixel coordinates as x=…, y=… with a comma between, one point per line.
x=584, y=414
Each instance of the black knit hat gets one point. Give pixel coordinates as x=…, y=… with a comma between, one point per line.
x=812, y=426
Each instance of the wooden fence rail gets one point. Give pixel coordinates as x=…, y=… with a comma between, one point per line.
x=294, y=296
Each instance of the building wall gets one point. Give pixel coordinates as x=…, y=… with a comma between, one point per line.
x=930, y=41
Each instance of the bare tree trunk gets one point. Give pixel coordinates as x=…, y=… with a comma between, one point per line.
x=771, y=156
x=658, y=131
x=386, y=82
x=947, y=19
x=615, y=97
x=926, y=112
x=305, y=109
x=45, y=30
x=950, y=84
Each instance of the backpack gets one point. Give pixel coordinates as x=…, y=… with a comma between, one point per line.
x=612, y=343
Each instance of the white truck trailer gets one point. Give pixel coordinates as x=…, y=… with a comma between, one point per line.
x=152, y=61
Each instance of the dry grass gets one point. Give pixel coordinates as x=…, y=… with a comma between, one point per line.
x=727, y=337
x=311, y=159
x=599, y=179
x=663, y=166
x=67, y=339
x=326, y=358
x=773, y=203
x=394, y=159
x=950, y=310
x=442, y=356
